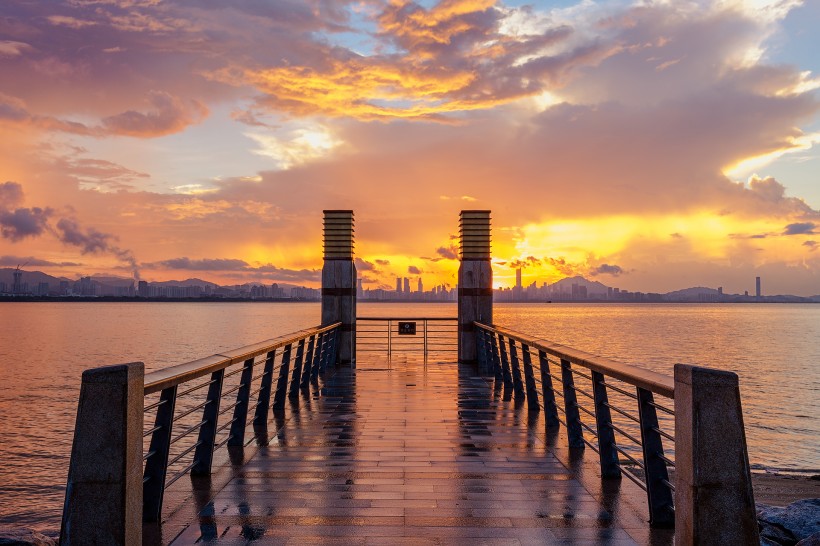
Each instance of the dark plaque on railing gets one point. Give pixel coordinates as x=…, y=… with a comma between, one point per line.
x=407, y=328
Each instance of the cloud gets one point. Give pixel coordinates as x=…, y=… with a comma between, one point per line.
x=14, y=261
x=24, y=222
x=564, y=267
x=767, y=188
x=20, y=223
x=17, y=224
x=295, y=146
x=88, y=241
x=800, y=228
x=207, y=264
x=283, y=274
x=553, y=116
x=526, y=262
x=607, y=269
x=448, y=59
x=813, y=245
x=239, y=267
x=364, y=265
x=170, y=115
x=10, y=48
x=448, y=253
x=11, y=194
x=413, y=270
x=92, y=241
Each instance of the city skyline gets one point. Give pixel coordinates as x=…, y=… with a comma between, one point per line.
x=642, y=144
x=566, y=289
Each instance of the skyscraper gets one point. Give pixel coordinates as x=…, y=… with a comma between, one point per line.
x=420, y=287
x=518, y=278
x=18, y=277
x=406, y=285
x=398, y=285
x=757, y=286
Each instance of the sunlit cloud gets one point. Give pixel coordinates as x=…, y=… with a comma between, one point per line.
x=749, y=165
x=196, y=208
x=297, y=146
x=193, y=189
x=11, y=48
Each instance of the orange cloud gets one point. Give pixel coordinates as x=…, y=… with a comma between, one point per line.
x=451, y=58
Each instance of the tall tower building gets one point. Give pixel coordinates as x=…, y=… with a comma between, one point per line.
x=18, y=277
x=398, y=285
x=518, y=278
x=757, y=286
x=406, y=285
x=420, y=287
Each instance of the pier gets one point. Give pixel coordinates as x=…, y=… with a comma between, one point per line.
x=414, y=430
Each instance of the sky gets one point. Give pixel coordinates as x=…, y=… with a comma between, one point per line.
x=651, y=145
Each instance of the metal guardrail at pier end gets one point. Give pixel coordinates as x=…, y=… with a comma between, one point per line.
x=389, y=335
x=162, y=426
x=694, y=431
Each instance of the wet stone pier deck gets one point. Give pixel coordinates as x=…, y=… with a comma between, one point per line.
x=408, y=452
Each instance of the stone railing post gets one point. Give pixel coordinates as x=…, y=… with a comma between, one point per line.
x=714, y=502
x=475, y=283
x=103, y=500
x=339, y=283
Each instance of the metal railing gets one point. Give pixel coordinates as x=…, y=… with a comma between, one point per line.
x=582, y=392
x=190, y=419
x=386, y=334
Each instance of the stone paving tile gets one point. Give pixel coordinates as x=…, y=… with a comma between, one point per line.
x=409, y=454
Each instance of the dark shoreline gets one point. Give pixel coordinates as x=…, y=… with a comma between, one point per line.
x=126, y=299
x=211, y=299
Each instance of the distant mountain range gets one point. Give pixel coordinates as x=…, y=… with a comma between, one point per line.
x=34, y=278
x=31, y=277
x=595, y=289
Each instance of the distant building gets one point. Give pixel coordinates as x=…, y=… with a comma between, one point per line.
x=18, y=277
x=406, y=285
x=42, y=289
x=257, y=291
x=518, y=278
x=757, y=286
x=420, y=287
x=142, y=289
x=85, y=287
x=398, y=285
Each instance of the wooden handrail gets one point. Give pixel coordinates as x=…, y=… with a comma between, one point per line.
x=182, y=373
x=655, y=382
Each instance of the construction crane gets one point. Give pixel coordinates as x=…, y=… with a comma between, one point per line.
x=17, y=287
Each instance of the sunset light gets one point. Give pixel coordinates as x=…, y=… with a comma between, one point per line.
x=409, y=272
x=645, y=137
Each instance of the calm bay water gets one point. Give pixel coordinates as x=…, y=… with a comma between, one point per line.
x=45, y=346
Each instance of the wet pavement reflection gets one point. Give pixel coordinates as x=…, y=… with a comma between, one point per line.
x=408, y=452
